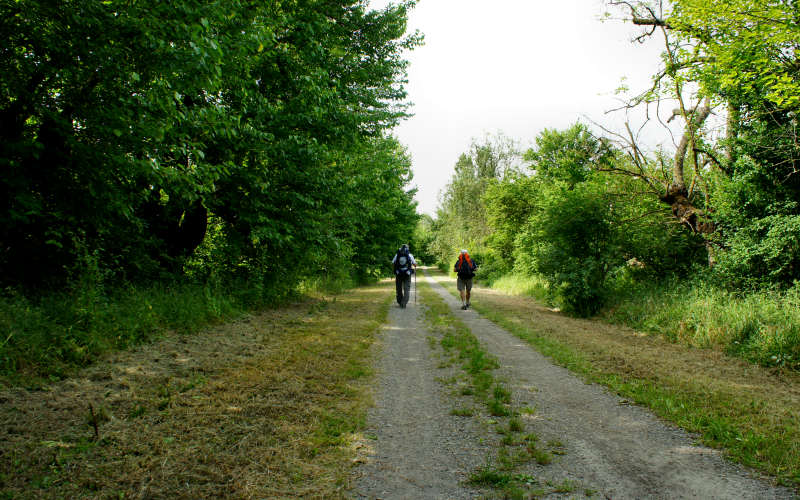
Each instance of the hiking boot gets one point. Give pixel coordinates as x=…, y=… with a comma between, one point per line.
x=464, y=307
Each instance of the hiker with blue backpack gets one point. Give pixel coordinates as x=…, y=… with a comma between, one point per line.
x=465, y=268
x=404, y=264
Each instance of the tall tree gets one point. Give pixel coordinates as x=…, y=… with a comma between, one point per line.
x=737, y=57
x=462, y=214
x=124, y=124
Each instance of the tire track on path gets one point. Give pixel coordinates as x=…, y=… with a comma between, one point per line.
x=618, y=450
x=415, y=448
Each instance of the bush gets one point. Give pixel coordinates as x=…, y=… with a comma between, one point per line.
x=763, y=253
x=569, y=242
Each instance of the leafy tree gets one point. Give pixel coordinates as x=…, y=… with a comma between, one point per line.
x=569, y=242
x=461, y=217
x=510, y=202
x=125, y=126
x=738, y=57
x=569, y=155
x=577, y=226
x=423, y=238
x=380, y=213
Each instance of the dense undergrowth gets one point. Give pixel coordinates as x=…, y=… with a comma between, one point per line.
x=760, y=326
x=49, y=334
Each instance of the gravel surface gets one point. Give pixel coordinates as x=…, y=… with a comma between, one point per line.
x=414, y=448
x=612, y=449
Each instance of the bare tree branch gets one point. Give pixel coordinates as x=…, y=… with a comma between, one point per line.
x=641, y=21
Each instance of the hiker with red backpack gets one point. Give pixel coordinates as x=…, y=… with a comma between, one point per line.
x=404, y=264
x=465, y=268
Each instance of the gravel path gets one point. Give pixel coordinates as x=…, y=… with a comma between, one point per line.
x=416, y=449
x=612, y=448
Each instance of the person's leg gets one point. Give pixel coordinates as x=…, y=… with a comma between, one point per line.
x=398, y=284
x=460, y=287
x=406, y=289
x=468, y=288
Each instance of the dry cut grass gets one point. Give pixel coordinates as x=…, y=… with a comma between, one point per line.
x=261, y=408
x=751, y=411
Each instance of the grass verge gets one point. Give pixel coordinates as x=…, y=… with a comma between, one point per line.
x=752, y=412
x=46, y=337
x=266, y=407
x=761, y=326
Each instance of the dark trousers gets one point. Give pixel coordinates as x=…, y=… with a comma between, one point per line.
x=403, y=284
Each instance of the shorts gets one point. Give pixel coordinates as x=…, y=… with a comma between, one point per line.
x=464, y=283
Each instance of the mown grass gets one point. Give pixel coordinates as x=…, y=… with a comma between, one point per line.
x=760, y=326
x=750, y=411
x=266, y=407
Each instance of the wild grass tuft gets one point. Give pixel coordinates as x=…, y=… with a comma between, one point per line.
x=516, y=284
x=762, y=326
x=489, y=476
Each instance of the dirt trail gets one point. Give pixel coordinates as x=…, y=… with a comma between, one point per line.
x=416, y=449
x=618, y=450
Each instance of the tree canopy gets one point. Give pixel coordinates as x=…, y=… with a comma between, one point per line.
x=126, y=126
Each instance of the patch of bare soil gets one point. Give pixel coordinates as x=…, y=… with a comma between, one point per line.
x=611, y=447
x=259, y=408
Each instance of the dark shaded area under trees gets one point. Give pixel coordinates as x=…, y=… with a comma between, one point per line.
x=125, y=124
x=223, y=142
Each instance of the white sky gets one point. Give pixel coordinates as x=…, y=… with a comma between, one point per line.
x=510, y=66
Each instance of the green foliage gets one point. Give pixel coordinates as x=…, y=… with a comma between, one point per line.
x=764, y=252
x=576, y=227
x=737, y=56
x=762, y=326
x=759, y=226
x=509, y=204
x=422, y=240
x=570, y=242
x=125, y=125
x=241, y=145
x=568, y=155
x=744, y=47
x=51, y=335
x=461, y=220
x=374, y=212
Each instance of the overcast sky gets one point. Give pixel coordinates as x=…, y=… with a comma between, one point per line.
x=510, y=66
